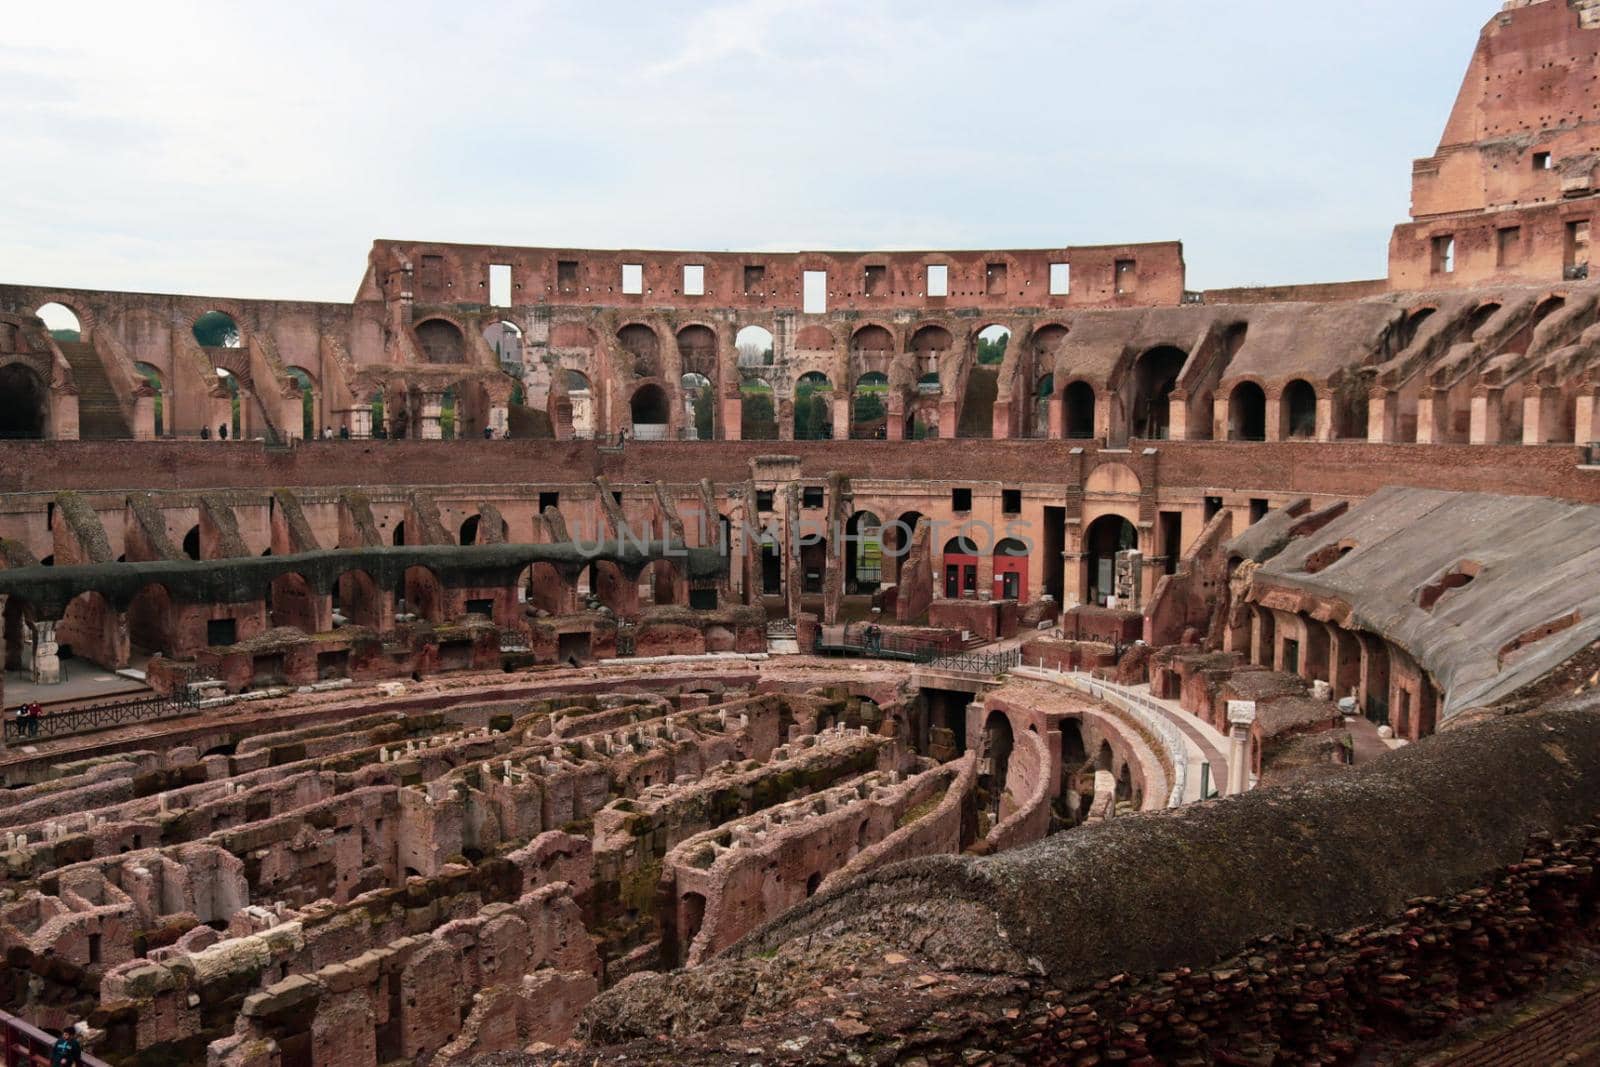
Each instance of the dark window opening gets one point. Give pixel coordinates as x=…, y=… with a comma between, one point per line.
x=481, y=606
x=1213, y=505
x=1011, y=501
x=222, y=632
x=961, y=500
x=567, y=275
x=549, y=500
x=1542, y=161
x=811, y=496
x=875, y=281
x=754, y=278
x=763, y=499
x=1258, y=510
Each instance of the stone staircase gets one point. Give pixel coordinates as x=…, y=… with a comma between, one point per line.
x=100, y=416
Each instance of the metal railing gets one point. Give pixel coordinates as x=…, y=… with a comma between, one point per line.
x=96, y=717
x=875, y=643
x=25, y=1045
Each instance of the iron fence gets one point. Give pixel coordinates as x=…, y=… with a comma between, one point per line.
x=95, y=717
x=874, y=642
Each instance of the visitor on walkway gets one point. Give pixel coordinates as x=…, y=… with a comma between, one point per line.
x=327, y=433
x=205, y=433
x=222, y=431
x=34, y=713
x=344, y=432
x=22, y=720
x=67, y=1052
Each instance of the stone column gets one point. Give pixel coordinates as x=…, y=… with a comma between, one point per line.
x=731, y=421
x=432, y=406
x=1541, y=414
x=1586, y=417
x=1219, y=417
x=1325, y=430
x=1382, y=415
x=1178, y=415
x=1486, y=421
x=1433, y=408
x=841, y=415
x=144, y=414
x=1241, y=716
x=46, y=663
x=1275, y=415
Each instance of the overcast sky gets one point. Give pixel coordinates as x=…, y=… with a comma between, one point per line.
x=257, y=149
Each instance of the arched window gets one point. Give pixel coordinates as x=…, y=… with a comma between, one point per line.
x=754, y=346
x=1299, y=410
x=62, y=322
x=869, y=412
x=23, y=402
x=699, y=402
x=1155, y=376
x=648, y=410
x=1247, y=413
x=441, y=341
x=216, y=329
x=1077, y=411
x=813, y=407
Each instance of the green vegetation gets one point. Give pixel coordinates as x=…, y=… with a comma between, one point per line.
x=216, y=330
x=992, y=350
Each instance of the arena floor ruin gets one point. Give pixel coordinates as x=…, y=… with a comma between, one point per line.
x=560, y=656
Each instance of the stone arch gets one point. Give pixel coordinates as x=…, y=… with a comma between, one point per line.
x=649, y=412
x=1153, y=379
x=1102, y=540
x=151, y=621
x=813, y=407
x=547, y=589
x=505, y=339
x=758, y=420
x=217, y=329
x=191, y=542
x=1298, y=410
x=1247, y=412
x=610, y=586
x=641, y=349
x=754, y=346
x=303, y=380
x=863, y=553
x=291, y=601
x=1077, y=411
x=91, y=629
x=24, y=402
x=61, y=321
x=697, y=350
x=869, y=412
x=157, y=382
x=1010, y=558
x=423, y=593
x=441, y=341
x=356, y=597
x=661, y=583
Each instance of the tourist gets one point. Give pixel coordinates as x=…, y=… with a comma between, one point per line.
x=488, y=433
x=22, y=720
x=205, y=433
x=34, y=713
x=222, y=431
x=327, y=433
x=67, y=1051
x=344, y=432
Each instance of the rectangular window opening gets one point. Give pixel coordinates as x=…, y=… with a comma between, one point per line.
x=1060, y=279
x=764, y=499
x=811, y=496
x=754, y=279
x=632, y=279
x=1508, y=246
x=567, y=275
x=815, y=289
x=1127, y=277
x=994, y=279
x=1577, y=249
x=1258, y=509
x=875, y=281
x=961, y=500
x=938, y=279
x=1444, y=254
x=500, y=285
x=694, y=280
x=1542, y=161
x=1011, y=501
x=549, y=500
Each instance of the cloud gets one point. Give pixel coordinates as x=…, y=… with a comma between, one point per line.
x=726, y=31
